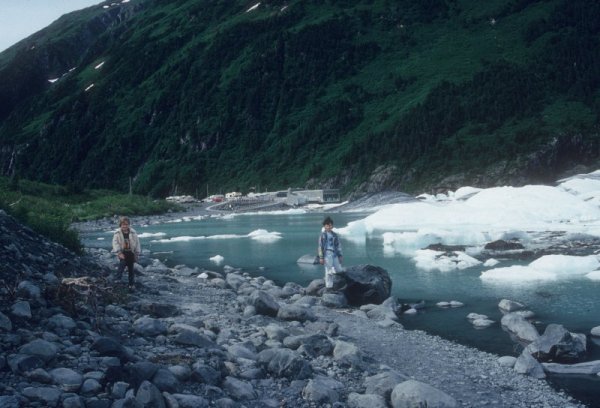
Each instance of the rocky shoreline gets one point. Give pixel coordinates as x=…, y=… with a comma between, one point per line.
x=72, y=337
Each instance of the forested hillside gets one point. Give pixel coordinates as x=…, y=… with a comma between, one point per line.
x=180, y=94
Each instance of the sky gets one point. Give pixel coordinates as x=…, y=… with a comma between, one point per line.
x=21, y=18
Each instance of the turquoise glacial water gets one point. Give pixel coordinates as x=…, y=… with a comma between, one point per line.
x=571, y=302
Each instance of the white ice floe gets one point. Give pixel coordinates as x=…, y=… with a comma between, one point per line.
x=264, y=235
x=151, y=234
x=226, y=236
x=549, y=267
x=475, y=316
x=491, y=262
x=217, y=259
x=409, y=241
x=482, y=323
x=429, y=260
x=586, y=187
x=452, y=303
x=461, y=194
x=183, y=238
x=257, y=235
x=473, y=217
x=479, y=321
x=487, y=213
x=593, y=275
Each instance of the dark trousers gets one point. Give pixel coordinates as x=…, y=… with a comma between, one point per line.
x=127, y=262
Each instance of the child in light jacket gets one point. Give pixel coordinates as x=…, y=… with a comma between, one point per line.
x=126, y=245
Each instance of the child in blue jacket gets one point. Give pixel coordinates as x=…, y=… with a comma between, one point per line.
x=330, y=252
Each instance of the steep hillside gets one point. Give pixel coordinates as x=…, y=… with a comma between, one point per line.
x=181, y=94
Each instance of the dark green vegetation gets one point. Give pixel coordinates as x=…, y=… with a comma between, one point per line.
x=296, y=92
x=50, y=209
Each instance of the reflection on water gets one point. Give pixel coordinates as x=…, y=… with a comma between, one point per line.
x=572, y=302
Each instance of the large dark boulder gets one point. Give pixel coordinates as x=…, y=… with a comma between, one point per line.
x=366, y=284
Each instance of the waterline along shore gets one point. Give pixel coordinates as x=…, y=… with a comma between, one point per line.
x=192, y=227
x=189, y=337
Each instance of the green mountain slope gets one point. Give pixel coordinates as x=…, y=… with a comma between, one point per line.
x=178, y=94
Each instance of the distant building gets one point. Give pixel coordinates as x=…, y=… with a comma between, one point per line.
x=294, y=199
x=331, y=195
x=301, y=197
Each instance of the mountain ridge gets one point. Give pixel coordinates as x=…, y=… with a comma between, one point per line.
x=359, y=95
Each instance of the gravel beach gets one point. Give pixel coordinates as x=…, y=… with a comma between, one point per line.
x=472, y=377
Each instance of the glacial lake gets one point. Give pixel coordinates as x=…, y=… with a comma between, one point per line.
x=573, y=303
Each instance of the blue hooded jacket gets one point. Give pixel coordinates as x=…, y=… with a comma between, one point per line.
x=337, y=247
